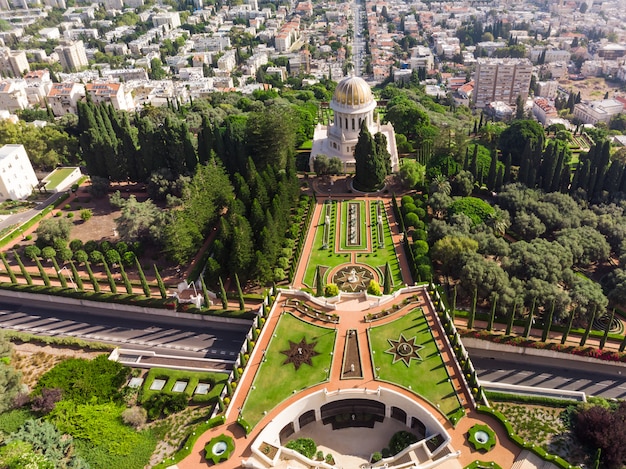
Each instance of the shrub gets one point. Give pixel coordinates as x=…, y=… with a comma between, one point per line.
x=32, y=252
x=85, y=214
x=374, y=288
x=95, y=257
x=400, y=441
x=70, y=215
x=76, y=244
x=331, y=290
x=90, y=246
x=81, y=256
x=44, y=403
x=304, y=446
x=377, y=456
x=67, y=207
x=48, y=253
x=411, y=219
x=135, y=416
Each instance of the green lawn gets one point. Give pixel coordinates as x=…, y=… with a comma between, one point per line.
x=329, y=258
x=427, y=378
x=274, y=381
x=217, y=381
x=57, y=176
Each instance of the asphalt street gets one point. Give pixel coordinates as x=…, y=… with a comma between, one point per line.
x=162, y=335
x=607, y=381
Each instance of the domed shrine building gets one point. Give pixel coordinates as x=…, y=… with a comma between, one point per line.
x=352, y=104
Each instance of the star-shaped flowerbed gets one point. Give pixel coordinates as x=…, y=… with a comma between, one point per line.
x=404, y=349
x=299, y=353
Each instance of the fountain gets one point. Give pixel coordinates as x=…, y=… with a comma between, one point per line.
x=352, y=278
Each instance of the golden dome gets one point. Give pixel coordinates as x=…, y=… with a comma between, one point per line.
x=353, y=91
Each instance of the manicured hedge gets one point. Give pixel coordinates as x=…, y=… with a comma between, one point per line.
x=525, y=399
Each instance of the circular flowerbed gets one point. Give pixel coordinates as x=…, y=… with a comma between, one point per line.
x=481, y=437
x=219, y=449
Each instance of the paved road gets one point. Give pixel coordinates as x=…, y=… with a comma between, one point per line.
x=596, y=380
x=162, y=335
x=21, y=217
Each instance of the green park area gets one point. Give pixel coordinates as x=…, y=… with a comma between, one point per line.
x=404, y=352
x=298, y=357
x=324, y=253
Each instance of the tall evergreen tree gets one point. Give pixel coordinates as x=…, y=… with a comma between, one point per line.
x=223, y=296
x=242, y=303
x=92, y=278
x=160, y=283
x=387, y=282
x=112, y=284
x=7, y=268
x=568, y=328
x=42, y=272
x=25, y=274
x=493, y=171
x=142, y=278
x=607, y=328
x=585, y=336
x=77, y=280
x=547, y=324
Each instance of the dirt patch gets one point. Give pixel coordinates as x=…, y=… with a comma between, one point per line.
x=34, y=360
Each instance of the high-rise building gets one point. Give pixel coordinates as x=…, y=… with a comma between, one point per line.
x=72, y=56
x=13, y=63
x=501, y=80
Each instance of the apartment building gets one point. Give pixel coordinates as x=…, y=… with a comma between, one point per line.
x=547, y=89
x=13, y=63
x=543, y=110
x=501, y=80
x=13, y=96
x=112, y=93
x=288, y=35
x=17, y=177
x=72, y=56
x=63, y=98
x=170, y=20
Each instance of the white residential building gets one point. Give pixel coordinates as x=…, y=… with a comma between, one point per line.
x=227, y=62
x=547, y=89
x=543, y=110
x=170, y=20
x=63, y=98
x=17, y=177
x=112, y=93
x=13, y=96
x=13, y=63
x=598, y=111
x=72, y=56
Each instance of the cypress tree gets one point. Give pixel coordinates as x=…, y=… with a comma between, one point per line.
x=223, y=296
x=474, y=163
x=92, y=278
x=569, y=327
x=387, y=284
x=160, y=283
x=524, y=167
x=242, y=304
x=585, y=336
x=499, y=179
x=607, y=329
x=8, y=269
x=205, y=293
x=42, y=272
x=107, y=271
x=60, y=275
x=453, y=313
x=77, y=280
x=548, y=324
x=25, y=274
x=142, y=278
x=319, y=283
x=493, y=168
x=507, y=168
x=509, y=324
x=470, y=322
x=529, y=321
x=127, y=284
x=492, y=316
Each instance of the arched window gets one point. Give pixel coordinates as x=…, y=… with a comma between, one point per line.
x=353, y=123
x=346, y=123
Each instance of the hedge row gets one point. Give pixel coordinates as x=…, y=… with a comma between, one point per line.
x=300, y=241
x=16, y=336
x=527, y=399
